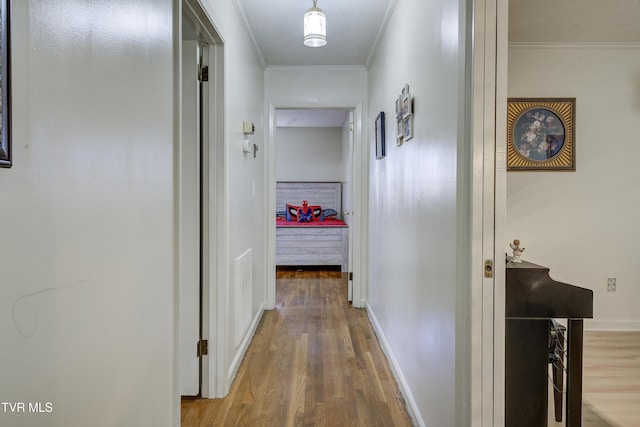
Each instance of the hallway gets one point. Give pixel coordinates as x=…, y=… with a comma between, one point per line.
x=314, y=361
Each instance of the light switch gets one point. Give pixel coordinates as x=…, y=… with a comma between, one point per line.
x=248, y=128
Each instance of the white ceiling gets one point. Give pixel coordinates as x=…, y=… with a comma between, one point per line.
x=353, y=28
x=574, y=21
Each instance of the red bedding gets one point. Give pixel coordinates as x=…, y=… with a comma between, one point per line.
x=282, y=222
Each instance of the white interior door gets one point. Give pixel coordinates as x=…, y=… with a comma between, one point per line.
x=189, y=222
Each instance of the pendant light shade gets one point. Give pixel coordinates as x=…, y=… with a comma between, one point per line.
x=315, y=27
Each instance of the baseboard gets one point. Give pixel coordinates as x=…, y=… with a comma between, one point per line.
x=244, y=345
x=412, y=408
x=611, y=325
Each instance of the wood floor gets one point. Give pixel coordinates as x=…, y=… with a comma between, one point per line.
x=314, y=361
x=611, y=380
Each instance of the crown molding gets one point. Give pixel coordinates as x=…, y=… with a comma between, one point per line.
x=247, y=27
x=381, y=31
x=574, y=45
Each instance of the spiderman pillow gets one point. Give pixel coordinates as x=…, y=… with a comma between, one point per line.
x=304, y=213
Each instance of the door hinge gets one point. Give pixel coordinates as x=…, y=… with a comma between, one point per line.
x=350, y=275
x=203, y=73
x=488, y=269
x=203, y=348
x=350, y=126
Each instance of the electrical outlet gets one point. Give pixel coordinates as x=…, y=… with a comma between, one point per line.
x=611, y=284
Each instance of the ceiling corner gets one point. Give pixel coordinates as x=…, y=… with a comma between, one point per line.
x=247, y=27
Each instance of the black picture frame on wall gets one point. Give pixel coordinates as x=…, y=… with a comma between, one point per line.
x=5, y=86
x=380, y=143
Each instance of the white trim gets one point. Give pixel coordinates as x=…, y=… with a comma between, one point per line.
x=359, y=207
x=412, y=407
x=611, y=325
x=500, y=208
x=488, y=195
x=270, y=217
x=574, y=45
x=254, y=41
x=215, y=307
x=381, y=30
x=360, y=197
x=244, y=345
x=177, y=135
x=297, y=69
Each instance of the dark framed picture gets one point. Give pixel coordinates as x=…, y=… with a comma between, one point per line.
x=541, y=134
x=380, y=145
x=5, y=98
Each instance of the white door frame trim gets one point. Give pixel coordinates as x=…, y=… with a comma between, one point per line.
x=488, y=207
x=214, y=382
x=359, y=203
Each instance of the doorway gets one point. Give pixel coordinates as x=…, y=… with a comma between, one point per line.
x=332, y=136
x=314, y=149
x=192, y=171
x=201, y=135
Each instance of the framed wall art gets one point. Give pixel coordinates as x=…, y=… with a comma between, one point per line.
x=380, y=143
x=541, y=134
x=404, y=116
x=5, y=99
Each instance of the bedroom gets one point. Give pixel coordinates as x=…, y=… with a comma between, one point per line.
x=313, y=159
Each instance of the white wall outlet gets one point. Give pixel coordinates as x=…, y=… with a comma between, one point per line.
x=611, y=284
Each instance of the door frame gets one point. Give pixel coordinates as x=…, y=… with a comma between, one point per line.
x=488, y=61
x=359, y=201
x=214, y=234
x=190, y=214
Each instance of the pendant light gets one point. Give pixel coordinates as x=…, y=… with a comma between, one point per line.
x=315, y=27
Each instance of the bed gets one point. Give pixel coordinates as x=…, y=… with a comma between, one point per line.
x=321, y=239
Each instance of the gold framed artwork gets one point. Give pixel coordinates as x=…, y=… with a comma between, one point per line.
x=541, y=134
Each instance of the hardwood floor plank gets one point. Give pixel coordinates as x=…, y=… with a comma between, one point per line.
x=314, y=361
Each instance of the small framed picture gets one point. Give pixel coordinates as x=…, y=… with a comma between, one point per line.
x=407, y=126
x=380, y=146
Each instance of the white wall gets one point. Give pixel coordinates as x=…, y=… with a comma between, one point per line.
x=582, y=224
x=244, y=180
x=87, y=259
x=413, y=207
x=316, y=87
x=309, y=154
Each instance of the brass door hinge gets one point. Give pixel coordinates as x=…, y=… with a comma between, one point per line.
x=203, y=74
x=203, y=348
